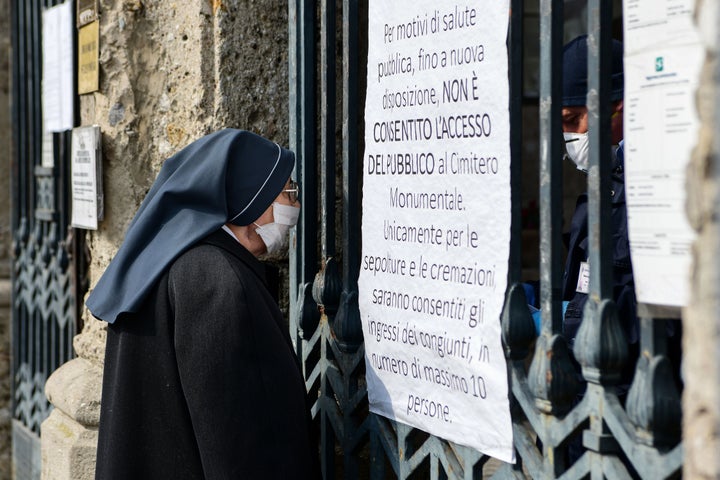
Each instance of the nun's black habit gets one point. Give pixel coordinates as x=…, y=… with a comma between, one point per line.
x=201, y=380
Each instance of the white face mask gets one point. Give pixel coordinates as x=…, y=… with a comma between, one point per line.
x=275, y=235
x=578, y=149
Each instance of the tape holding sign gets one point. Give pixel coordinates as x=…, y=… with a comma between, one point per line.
x=436, y=219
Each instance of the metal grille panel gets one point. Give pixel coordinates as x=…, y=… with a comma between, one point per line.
x=44, y=320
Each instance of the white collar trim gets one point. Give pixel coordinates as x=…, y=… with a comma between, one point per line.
x=230, y=232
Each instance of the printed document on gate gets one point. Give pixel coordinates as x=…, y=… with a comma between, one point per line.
x=436, y=219
x=663, y=59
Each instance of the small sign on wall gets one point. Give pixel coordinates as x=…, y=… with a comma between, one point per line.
x=88, y=58
x=86, y=174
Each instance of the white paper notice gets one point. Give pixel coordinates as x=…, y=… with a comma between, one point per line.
x=663, y=57
x=58, y=67
x=436, y=219
x=86, y=186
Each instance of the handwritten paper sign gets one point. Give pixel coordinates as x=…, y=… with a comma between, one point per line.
x=436, y=219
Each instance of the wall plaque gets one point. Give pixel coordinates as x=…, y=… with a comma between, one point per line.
x=88, y=58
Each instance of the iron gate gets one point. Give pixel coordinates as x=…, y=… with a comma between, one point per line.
x=638, y=440
x=46, y=253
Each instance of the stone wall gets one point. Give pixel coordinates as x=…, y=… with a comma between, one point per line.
x=5, y=240
x=701, y=336
x=170, y=72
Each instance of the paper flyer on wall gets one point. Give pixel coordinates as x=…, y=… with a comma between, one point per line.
x=663, y=57
x=86, y=178
x=436, y=219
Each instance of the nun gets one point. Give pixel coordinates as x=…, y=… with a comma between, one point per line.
x=201, y=380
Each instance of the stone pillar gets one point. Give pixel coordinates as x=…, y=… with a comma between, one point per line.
x=170, y=72
x=69, y=434
x=701, y=336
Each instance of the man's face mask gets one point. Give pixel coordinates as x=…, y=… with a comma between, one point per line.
x=275, y=234
x=578, y=149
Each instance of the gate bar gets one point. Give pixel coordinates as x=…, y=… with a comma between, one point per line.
x=301, y=57
x=327, y=129
x=515, y=47
x=598, y=103
x=551, y=154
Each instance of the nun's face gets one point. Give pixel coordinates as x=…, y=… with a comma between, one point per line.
x=287, y=197
x=247, y=235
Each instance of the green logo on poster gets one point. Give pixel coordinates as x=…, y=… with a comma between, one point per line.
x=659, y=64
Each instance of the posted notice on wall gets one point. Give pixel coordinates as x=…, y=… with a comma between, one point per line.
x=436, y=219
x=663, y=57
x=86, y=174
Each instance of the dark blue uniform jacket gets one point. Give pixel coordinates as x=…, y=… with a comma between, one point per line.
x=622, y=274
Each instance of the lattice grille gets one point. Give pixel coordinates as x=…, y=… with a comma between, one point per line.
x=31, y=405
x=43, y=321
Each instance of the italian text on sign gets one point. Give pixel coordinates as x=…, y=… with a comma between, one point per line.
x=436, y=219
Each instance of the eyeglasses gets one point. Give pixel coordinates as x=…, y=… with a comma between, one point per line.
x=293, y=193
